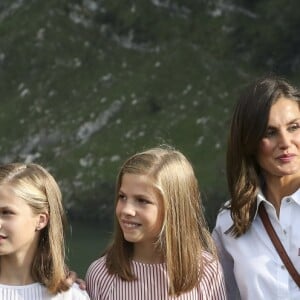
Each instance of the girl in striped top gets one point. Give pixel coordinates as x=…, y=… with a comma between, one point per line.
x=32, y=249
x=161, y=248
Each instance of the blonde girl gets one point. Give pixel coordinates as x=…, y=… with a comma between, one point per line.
x=32, y=250
x=161, y=248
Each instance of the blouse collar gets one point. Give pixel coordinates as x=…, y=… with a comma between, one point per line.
x=261, y=198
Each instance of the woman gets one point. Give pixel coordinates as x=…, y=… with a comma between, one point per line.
x=263, y=171
x=161, y=247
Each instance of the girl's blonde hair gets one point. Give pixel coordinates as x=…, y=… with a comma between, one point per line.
x=184, y=234
x=33, y=184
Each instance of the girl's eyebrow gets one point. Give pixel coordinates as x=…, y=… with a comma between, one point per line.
x=122, y=192
x=141, y=196
x=135, y=195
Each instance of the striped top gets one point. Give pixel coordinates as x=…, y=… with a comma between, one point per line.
x=37, y=291
x=152, y=283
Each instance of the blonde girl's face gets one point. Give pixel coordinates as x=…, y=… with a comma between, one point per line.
x=279, y=150
x=18, y=236
x=139, y=210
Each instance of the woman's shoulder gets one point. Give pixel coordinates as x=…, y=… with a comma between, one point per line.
x=224, y=219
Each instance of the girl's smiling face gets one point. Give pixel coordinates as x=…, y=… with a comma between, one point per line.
x=139, y=210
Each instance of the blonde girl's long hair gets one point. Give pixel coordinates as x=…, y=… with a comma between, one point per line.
x=184, y=234
x=33, y=184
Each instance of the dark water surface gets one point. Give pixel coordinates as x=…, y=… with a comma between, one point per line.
x=85, y=243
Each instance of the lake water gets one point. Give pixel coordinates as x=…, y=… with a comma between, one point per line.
x=85, y=243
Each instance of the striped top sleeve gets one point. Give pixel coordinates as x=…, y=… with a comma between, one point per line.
x=152, y=283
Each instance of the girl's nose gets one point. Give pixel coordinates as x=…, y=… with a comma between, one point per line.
x=128, y=209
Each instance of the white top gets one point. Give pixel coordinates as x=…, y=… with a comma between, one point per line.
x=37, y=291
x=152, y=283
x=250, y=262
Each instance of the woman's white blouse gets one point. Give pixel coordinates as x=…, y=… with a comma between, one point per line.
x=251, y=265
x=37, y=291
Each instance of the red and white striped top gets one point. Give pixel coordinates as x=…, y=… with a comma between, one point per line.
x=152, y=283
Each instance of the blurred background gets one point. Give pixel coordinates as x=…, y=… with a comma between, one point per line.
x=86, y=83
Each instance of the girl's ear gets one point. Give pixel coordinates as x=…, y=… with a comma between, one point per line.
x=43, y=219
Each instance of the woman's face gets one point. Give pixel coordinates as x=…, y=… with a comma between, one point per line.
x=279, y=150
